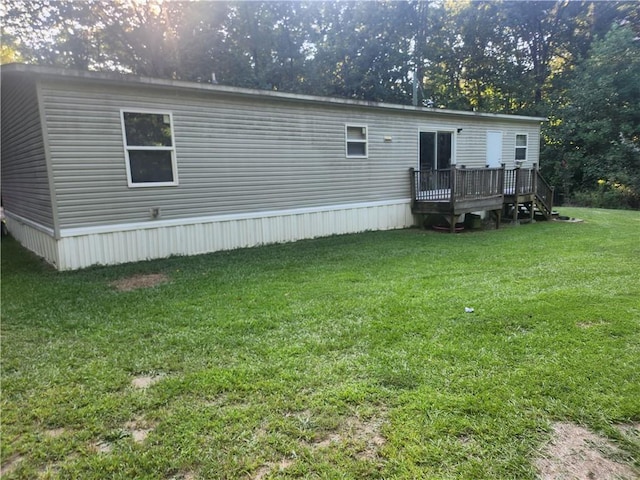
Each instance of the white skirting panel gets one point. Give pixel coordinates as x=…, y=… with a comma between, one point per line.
x=80, y=248
x=39, y=240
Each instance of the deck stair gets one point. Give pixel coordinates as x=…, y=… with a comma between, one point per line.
x=526, y=190
x=544, y=196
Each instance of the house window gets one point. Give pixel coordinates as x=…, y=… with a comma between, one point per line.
x=149, y=149
x=521, y=147
x=436, y=150
x=356, y=141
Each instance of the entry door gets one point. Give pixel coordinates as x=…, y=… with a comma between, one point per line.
x=494, y=149
x=436, y=150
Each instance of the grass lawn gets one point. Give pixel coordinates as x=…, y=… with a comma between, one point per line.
x=345, y=357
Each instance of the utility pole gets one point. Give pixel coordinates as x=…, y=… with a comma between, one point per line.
x=415, y=87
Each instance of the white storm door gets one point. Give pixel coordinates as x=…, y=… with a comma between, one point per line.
x=494, y=149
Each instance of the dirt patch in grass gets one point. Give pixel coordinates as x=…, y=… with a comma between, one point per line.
x=55, y=432
x=266, y=469
x=102, y=447
x=184, y=476
x=139, y=281
x=328, y=440
x=139, y=430
x=585, y=325
x=145, y=381
x=367, y=431
x=10, y=465
x=575, y=453
x=362, y=432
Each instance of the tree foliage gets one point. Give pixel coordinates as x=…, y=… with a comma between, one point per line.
x=500, y=56
x=596, y=133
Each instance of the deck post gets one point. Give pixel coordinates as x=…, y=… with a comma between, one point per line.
x=516, y=192
x=534, y=190
x=412, y=178
x=502, y=178
x=453, y=181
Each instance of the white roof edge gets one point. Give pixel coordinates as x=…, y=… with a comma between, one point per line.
x=207, y=87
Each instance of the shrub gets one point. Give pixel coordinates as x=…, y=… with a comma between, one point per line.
x=608, y=195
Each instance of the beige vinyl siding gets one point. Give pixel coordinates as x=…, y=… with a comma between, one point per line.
x=235, y=154
x=509, y=145
x=25, y=182
x=472, y=141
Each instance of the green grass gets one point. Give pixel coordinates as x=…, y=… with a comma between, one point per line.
x=288, y=361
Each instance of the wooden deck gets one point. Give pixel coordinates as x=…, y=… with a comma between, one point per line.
x=455, y=191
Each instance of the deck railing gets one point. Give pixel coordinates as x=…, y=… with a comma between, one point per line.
x=519, y=181
x=478, y=182
x=431, y=185
x=468, y=183
x=454, y=184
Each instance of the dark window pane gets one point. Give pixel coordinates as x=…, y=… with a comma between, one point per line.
x=147, y=129
x=427, y=151
x=149, y=166
x=521, y=153
x=356, y=149
x=444, y=150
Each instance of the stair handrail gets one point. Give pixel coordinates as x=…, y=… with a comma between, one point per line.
x=544, y=192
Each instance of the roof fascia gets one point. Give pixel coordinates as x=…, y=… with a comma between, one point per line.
x=117, y=78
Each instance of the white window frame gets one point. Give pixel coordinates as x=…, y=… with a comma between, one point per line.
x=127, y=148
x=516, y=147
x=347, y=140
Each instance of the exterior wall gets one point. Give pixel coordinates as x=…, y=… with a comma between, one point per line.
x=137, y=242
x=25, y=180
x=533, y=145
x=237, y=154
x=472, y=142
x=234, y=156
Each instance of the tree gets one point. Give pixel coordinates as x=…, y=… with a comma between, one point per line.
x=51, y=32
x=140, y=37
x=363, y=50
x=9, y=54
x=596, y=135
x=470, y=58
x=264, y=45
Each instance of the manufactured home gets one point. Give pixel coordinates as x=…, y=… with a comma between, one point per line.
x=104, y=168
